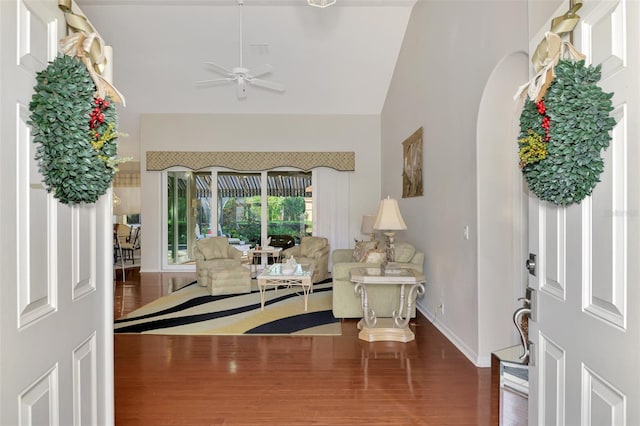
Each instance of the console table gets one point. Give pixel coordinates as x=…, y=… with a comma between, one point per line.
x=374, y=329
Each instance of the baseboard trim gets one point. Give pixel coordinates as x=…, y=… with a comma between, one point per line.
x=454, y=339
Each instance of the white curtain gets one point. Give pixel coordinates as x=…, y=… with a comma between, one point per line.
x=331, y=206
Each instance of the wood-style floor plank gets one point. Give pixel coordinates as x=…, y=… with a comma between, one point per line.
x=281, y=380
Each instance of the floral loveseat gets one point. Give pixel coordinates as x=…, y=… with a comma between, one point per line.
x=383, y=299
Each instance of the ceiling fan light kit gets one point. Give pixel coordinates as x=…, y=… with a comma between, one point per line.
x=321, y=3
x=241, y=75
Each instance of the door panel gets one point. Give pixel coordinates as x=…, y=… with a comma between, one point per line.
x=606, y=240
x=554, y=249
x=56, y=353
x=604, y=39
x=553, y=377
x=585, y=325
x=39, y=404
x=603, y=404
x=85, y=391
x=84, y=251
x=35, y=284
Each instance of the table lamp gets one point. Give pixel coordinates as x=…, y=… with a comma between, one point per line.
x=367, y=226
x=389, y=220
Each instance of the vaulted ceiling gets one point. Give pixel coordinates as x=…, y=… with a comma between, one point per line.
x=336, y=60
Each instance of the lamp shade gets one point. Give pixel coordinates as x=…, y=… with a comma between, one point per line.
x=367, y=224
x=389, y=217
x=320, y=3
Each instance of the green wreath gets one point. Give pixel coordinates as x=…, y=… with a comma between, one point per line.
x=76, y=133
x=562, y=136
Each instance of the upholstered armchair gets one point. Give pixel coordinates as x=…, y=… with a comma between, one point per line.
x=383, y=299
x=219, y=261
x=312, y=251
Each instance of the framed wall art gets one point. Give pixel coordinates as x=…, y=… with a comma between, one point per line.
x=412, y=169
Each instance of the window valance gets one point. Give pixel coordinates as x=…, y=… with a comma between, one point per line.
x=250, y=161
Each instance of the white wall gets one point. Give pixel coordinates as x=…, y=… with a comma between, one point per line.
x=126, y=185
x=129, y=200
x=448, y=54
x=260, y=132
x=539, y=12
x=502, y=207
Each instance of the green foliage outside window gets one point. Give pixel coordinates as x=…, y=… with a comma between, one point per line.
x=241, y=218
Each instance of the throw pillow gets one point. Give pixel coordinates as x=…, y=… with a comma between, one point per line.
x=362, y=247
x=375, y=256
x=404, y=252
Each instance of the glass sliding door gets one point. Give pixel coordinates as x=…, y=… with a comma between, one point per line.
x=248, y=208
x=202, y=203
x=289, y=204
x=188, y=213
x=240, y=206
x=178, y=217
x=241, y=198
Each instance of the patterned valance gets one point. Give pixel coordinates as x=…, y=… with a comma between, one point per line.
x=250, y=161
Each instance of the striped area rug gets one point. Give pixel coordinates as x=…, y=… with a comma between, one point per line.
x=192, y=311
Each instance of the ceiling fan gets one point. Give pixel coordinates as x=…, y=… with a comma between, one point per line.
x=241, y=75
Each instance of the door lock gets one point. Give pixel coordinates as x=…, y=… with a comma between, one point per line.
x=531, y=264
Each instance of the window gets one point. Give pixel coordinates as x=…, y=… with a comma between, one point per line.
x=249, y=207
x=240, y=207
x=289, y=204
x=178, y=196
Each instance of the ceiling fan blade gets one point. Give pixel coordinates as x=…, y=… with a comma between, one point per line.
x=215, y=81
x=240, y=74
x=260, y=71
x=220, y=69
x=271, y=85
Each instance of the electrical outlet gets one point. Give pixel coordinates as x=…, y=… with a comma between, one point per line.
x=440, y=309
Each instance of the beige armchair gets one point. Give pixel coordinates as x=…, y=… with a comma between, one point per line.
x=219, y=267
x=312, y=251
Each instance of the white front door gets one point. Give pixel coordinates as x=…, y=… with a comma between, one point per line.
x=585, y=367
x=56, y=351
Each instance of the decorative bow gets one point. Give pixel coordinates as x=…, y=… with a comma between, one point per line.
x=87, y=45
x=550, y=50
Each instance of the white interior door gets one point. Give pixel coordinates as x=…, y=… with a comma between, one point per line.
x=586, y=328
x=56, y=355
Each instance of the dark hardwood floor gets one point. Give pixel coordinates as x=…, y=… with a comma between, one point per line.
x=279, y=380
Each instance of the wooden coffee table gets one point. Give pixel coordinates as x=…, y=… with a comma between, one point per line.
x=275, y=277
